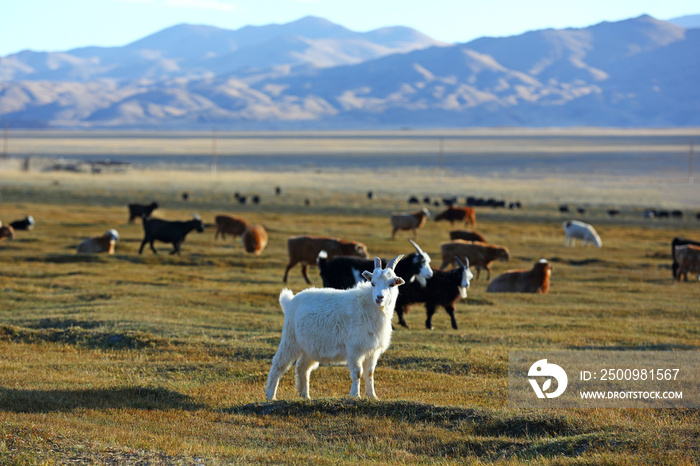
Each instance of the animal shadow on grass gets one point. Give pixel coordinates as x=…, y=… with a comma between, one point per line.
x=482, y=422
x=46, y=401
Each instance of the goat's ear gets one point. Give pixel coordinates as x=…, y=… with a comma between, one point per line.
x=368, y=275
x=399, y=281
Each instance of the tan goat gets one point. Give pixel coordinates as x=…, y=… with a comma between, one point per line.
x=480, y=255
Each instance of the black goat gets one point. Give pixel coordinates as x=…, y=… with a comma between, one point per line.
x=25, y=224
x=443, y=289
x=344, y=272
x=678, y=241
x=168, y=232
x=141, y=210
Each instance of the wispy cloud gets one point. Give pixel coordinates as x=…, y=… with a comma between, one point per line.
x=221, y=5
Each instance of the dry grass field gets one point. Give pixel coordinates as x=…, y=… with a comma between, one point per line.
x=160, y=359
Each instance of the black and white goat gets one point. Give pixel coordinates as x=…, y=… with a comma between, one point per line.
x=443, y=289
x=344, y=272
x=27, y=223
x=168, y=232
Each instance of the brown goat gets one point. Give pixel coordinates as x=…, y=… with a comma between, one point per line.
x=688, y=257
x=452, y=214
x=305, y=249
x=535, y=280
x=467, y=235
x=229, y=224
x=405, y=221
x=254, y=239
x=104, y=243
x=480, y=255
x=7, y=232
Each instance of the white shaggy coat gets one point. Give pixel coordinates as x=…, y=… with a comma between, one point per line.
x=330, y=326
x=584, y=232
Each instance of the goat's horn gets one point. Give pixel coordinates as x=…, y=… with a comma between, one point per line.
x=466, y=261
x=377, y=263
x=392, y=263
x=420, y=251
x=460, y=262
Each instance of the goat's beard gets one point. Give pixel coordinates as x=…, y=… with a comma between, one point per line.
x=463, y=292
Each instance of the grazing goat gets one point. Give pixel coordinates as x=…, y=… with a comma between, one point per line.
x=345, y=272
x=305, y=250
x=467, y=235
x=679, y=241
x=328, y=325
x=229, y=224
x=254, y=239
x=535, y=280
x=7, y=232
x=481, y=255
x=27, y=223
x=406, y=221
x=688, y=257
x=104, y=243
x=452, y=214
x=141, y=210
x=168, y=232
x=443, y=289
x=584, y=232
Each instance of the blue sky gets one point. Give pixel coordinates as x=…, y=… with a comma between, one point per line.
x=52, y=25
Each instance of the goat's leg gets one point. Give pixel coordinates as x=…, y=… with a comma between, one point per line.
x=451, y=311
x=305, y=272
x=430, y=310
x=143, y=243
x=153, y=247
x=286, y=271
x=355, y=366
x=369, y=365
x=303, y=372
x=488, y=277
x=400, y=313
x=281, y=363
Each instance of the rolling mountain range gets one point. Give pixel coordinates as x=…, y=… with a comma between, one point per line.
x=312, y=73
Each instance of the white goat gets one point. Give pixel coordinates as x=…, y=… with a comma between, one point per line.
x=329, y=325
x=584, y=232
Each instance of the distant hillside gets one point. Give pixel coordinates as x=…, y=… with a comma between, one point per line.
x=190, y=50
x=689, y=21
x=315, y=74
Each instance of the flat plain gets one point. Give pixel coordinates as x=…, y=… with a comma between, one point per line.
x=162, y=359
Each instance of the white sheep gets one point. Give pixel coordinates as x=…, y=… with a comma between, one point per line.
x=331, y=326
x=581, y=231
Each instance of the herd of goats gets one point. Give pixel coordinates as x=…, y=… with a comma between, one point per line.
x=349, y=318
